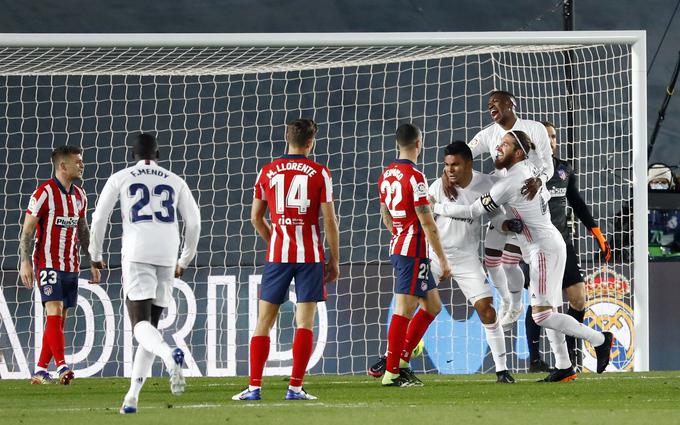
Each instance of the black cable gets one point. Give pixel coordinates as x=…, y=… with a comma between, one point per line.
x=663, y=37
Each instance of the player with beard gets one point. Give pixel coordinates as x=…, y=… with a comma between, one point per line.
x=502, y=253
x=545, y=250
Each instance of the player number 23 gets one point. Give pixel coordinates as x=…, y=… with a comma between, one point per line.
x=165, y=192
x=48, y=276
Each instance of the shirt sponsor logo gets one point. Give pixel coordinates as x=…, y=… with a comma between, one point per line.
x=558, y=191
x=66, y=221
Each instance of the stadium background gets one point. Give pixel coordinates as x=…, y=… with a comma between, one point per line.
x=199, y=160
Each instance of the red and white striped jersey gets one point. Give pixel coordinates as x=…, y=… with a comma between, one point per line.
x=294, y=188
x=56, y=237
x=402, y=189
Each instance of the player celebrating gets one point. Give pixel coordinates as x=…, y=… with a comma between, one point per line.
x=406, y=213
x=563, y=187
x=501, y=251
x=294, y=188
x=57, y=210
x=545, y=249
x=150, y=197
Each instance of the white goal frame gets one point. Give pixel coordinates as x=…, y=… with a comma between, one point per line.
x=635, y=39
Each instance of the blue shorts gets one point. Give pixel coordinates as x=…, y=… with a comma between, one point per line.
x=56, y=285
x=412, y=275
x=277, y=277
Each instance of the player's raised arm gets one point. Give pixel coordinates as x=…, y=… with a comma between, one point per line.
x=107, y=200
x=191, y=215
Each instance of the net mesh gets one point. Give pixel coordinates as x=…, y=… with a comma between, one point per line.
x=219, y=115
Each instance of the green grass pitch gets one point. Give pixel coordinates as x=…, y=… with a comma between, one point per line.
x=611, y=398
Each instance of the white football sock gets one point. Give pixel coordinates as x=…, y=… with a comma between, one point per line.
x=151, y=339
x=559, y=348
x=141, y=369
x=496, y=340
x=515, y=278
x=497, y=275
x=568, y=325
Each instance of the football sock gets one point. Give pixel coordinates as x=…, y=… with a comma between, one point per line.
x=496, y=340
x=295, y=389
x=569, y=326
x=514, y=277
x=141, y=367
x=259, y=352
x=45, y=353
x=559, y=348
x=55, y=337
x=302, y=351
x=388, y=377
x=497, y=275
x=150, y=338
x=571, y=341
x=416, y=329
x=396, y=338
x=533, y=336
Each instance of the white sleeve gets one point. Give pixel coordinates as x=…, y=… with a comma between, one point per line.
x=433, y=190
x=477, y=144
x=460, y=211
x=186, y=204
x=542, y=145
x=105, y=203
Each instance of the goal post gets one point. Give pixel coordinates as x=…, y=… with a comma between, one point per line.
x=219, y=103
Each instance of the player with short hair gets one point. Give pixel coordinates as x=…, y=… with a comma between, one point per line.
x=502, y=253
x=295, y=189
x=545, y=248
x=563, y=188
x=56, y=214
x=150, y=197
x=405, y=211
x=460, y=184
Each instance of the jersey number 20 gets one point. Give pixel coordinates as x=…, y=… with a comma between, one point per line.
x=167, y=195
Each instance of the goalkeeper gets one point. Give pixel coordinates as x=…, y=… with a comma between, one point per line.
x=563, y=188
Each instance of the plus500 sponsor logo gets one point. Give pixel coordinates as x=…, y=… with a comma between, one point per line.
x=66, y=221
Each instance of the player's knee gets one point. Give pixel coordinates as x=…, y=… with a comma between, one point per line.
x=485, y=311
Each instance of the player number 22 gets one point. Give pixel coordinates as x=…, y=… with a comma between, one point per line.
x=165, y=192
x=393, y=197
x=296, y=196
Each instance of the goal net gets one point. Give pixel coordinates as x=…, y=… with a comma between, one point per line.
x=218, y=105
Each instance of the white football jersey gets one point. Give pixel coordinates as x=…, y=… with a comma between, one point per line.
x=460, y=235
x=488, y=139
x=150, y=198
x=535, y=214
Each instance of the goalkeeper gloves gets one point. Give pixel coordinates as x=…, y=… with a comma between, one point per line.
x=602, y=242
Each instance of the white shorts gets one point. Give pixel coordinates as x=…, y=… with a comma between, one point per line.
x=496, y=239
x=546, y=271
x=146, y=281
x=468, y=273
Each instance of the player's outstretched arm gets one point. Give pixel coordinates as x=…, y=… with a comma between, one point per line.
x=330, y=227
x=257, y=212
x=432, y=234
x=26, y=247
x=191, y=215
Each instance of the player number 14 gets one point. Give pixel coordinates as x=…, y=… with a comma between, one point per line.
x=296, y=196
